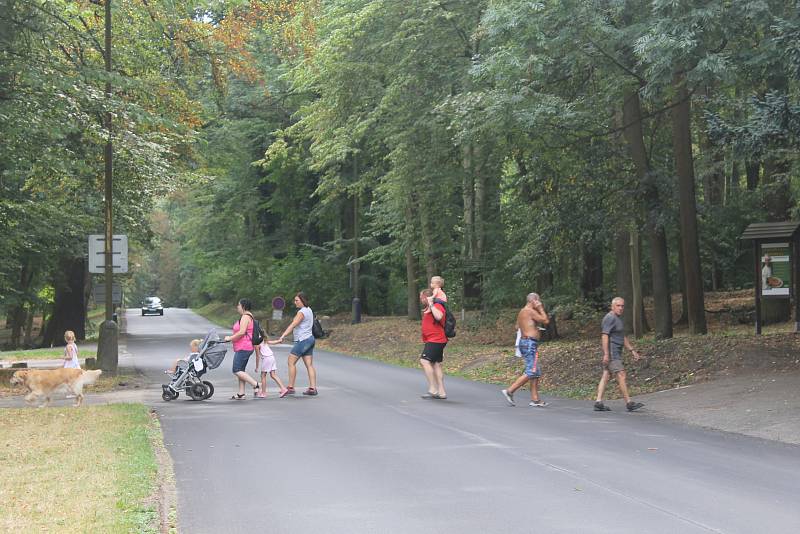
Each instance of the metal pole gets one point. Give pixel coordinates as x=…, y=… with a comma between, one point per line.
x=107, y=344
x=109, y=155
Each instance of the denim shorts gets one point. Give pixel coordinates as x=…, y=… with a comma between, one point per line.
x=304, y=347
x=240, y=359
x=530, y=351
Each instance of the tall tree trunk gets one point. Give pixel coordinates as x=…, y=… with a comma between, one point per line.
x=684, y=168
x=592, y=274
x=659, y=258
x=479, y=173
x=68, y=308
x=412, y=297
x=427, y=243
x=28, y=342
x=778, y=197
x=684, y=318
x=732, y=184
x=624, y=280
x=637, y=304
x=752, y=169
x=468, y=195
x=18, y=312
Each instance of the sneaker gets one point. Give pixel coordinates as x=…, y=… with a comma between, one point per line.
x=509, y=397
x=600, y=407
x=633, y=406
x=284, y=392
x=538, y=404
x=310, y=392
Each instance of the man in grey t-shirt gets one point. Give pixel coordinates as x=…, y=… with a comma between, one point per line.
x=614, y=340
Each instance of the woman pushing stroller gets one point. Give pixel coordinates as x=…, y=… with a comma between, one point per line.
x=242, y=339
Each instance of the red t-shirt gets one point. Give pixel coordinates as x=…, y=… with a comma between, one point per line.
x=433, y=331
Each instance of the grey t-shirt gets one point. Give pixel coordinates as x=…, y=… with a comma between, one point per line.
x=303, y=330
x=615, y=329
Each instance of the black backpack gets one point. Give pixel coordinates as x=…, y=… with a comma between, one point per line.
x=449, y=320
x=316, y=328
x=258, y=332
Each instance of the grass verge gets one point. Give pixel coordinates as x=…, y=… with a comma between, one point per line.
x=224, y=315
x=35, y=354
x=79, y=470
x=104, y=384
x=571, y=365
x=219, y=313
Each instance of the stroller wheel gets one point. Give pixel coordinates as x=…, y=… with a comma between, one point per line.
x=168, y=395
x=197, y=391
x=209, y=388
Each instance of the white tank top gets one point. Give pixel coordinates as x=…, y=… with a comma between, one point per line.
x=303, y=330
x=73, y=362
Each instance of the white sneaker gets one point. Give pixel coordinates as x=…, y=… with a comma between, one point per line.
x=509, y=397
x=539, y=404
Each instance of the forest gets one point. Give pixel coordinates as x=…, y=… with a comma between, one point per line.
x=578, y=148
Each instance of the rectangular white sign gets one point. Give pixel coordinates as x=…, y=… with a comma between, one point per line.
x=97, y=253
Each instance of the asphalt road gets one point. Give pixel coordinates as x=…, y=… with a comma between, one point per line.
x=368, y=455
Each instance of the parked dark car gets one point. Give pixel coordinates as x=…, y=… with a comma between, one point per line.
x=152, y=306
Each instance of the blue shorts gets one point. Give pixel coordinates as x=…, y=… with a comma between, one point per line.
x=304, y=347
x=530, y=351
x=240, y=359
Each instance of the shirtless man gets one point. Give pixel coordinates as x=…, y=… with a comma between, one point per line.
x=528, y=320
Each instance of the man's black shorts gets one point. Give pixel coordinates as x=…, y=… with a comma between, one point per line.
x=433, y=352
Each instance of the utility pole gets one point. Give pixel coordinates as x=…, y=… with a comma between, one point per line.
x=107, y=346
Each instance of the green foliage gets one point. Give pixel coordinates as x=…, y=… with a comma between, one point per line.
x=285, y=143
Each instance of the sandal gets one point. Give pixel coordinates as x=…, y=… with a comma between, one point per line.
x=310, y=392
x=238, y=396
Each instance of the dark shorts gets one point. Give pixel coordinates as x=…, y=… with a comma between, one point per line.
x=304, y=347
x=240, y=359
x=433, y=352
x=530, y=351
x=614, y=365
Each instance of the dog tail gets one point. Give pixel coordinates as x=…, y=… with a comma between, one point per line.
x=90, y=377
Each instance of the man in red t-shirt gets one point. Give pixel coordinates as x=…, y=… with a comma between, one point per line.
x=435, y=340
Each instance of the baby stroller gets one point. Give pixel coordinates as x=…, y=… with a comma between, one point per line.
x=188, y=375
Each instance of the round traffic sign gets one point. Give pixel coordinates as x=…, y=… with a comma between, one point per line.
x=278, y=303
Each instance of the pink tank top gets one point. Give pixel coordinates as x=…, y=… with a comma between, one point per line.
x=246, y=341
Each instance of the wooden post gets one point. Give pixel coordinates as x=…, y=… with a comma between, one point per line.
x=757, y=263
x=795, y=244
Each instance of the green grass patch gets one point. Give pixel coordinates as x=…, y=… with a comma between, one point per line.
x=91, y=469
x=224, y=315
x=36, y=354
x=219, y=313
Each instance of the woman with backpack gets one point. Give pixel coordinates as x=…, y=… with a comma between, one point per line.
x=242, y=339
x=302, y=326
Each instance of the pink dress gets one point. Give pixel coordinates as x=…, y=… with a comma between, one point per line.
x=268, y=363
x=246, y=341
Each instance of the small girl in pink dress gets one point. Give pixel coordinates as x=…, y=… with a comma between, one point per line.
x=265, y=361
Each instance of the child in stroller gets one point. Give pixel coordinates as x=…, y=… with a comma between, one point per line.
x=187, y=373
x=194, y=349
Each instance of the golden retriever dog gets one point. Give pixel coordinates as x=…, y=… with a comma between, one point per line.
x=44, y=382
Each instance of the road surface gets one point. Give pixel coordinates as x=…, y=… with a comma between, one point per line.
x=368, y=455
